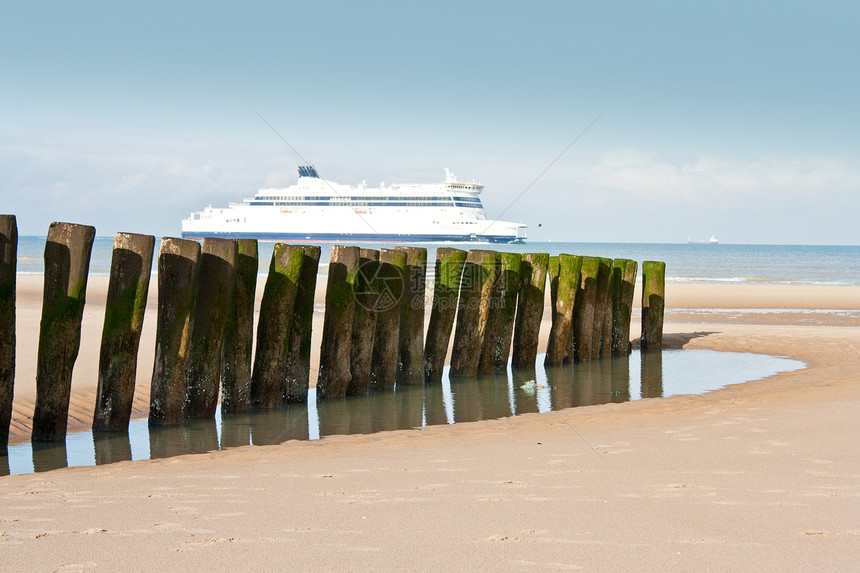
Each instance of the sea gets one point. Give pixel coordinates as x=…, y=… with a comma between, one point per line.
x=685, y=263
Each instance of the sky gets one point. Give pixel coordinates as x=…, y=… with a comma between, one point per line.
x=679, y=119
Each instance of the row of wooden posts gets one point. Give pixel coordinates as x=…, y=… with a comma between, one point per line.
x=373, y=332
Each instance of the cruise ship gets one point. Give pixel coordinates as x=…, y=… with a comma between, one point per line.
x=316, y=209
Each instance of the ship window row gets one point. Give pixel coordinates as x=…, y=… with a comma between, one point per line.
x=340, y=199
x=439, y=203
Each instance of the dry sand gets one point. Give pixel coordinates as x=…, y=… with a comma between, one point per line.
x=757, y=476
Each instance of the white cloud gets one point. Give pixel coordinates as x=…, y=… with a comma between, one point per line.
x=642, y=174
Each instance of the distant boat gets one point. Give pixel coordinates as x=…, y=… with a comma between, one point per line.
x=712, y=241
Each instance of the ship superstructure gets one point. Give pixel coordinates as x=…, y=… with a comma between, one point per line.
x=316, y=209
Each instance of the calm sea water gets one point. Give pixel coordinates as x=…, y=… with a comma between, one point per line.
x=768, y=264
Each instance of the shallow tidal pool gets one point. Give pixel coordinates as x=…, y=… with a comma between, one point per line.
x=616, y=379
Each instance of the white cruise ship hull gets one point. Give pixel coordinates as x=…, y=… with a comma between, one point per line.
x=318, y=210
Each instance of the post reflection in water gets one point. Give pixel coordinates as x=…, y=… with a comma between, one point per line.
x=619, y=388
x=278, y=425
x=235, y=429
x=651, y=374
x=514, y=392
x=111, y=447
x=49, y=456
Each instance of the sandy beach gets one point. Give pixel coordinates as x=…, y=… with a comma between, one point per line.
x=756, y=476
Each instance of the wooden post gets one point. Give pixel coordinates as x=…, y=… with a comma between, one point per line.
x=177, y=284
x=497, y=340
x=569, y=275
x=529, y=309
x=335, y=349
x=473, y=309
x=410, y=366
x=583, y=313
x=131, y=267
x=216, y=284
x=67, y=263
x=386, y=342
x=601, y=299
x=273, y=330
x=363, y=321
x=8, y=270
x=449, y=267
x=239, y=332
x=653, y=304
x=624, y=282
x=299, y=346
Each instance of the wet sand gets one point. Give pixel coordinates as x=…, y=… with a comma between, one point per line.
x=756, y=476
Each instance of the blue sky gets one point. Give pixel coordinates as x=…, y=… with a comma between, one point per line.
x=738, y=118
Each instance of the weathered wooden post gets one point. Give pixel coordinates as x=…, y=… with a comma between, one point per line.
x=601, y=299
x=177, y=284
x=653, y=304
x=583, y=313
x=334, y=373
x=131, y=267
x=273, y=330
x=8, y=270
x=239, y=332
x=529, y=309
x=569, y=275
x=299, y=346
x=364, y=321
x=410, y=367
x=216, y=283
x=624, y=282
x=497, y=340
x=67, y=263
x=449, y=267
x=473, y=309
x=386, y=343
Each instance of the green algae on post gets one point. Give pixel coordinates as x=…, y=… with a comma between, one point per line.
x=473, y=309
x=653, y=304
x=276, y=318
x=386, y=342
x=601, y=300
x=500, y=328
x=216, y=284
x=530, y=304
x=410, y=364
x=177, y=285
x=363, y=321
x=334, y=373
x=623, y=284
x=131, y=268
x=449, y=267
x=297, y=381
x=8, y=270
x=568, y=280
x=239, y=332
x=67, y=262
x=583, y=312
